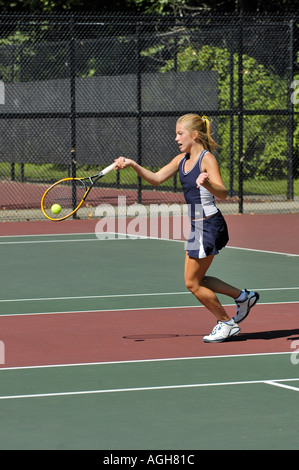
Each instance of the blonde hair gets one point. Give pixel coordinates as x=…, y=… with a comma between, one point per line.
x=194, y=122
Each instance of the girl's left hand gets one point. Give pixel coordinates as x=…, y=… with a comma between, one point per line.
x=201, y=179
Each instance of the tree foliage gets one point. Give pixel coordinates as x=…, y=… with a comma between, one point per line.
x=264, y=136
x=179, y=7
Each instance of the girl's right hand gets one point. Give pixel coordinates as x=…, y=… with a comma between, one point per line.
x=122, y=162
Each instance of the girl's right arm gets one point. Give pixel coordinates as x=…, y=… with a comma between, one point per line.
x=153, y=178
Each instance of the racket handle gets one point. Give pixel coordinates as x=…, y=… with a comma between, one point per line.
x=107, y=169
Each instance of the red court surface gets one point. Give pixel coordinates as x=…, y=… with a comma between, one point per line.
x=90, y=337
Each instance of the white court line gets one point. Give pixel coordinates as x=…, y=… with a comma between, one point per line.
x=115, y=296
x=276, y=384
x=262, y=251
x=41, y=299
x=129, y=309
x=31, y=235
x=109, y=236
x=117, y=236
x=142, y=389
x=144, y=361
x=50, y=241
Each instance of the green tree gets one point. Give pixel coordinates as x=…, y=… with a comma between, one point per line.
x=51, y=6
x=264, y=136
x=180, y=7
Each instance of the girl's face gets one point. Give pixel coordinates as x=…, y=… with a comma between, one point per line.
x=183, y=137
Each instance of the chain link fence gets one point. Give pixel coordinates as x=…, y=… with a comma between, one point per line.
x=78, y=91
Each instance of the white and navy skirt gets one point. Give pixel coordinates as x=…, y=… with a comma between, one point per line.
x=207, y=236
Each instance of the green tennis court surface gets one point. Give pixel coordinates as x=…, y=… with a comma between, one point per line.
x=212, y=403
x=67, y=297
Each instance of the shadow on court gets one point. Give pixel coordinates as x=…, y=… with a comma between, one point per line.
x=291, y=335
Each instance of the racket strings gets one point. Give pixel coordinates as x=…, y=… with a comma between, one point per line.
x=67, y=193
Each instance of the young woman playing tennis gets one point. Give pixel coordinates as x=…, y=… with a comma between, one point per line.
x=201, y=182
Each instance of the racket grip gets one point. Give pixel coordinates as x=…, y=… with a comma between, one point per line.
x=107, y=169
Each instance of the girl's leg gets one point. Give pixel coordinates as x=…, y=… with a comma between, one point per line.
x=202, y=287
x=220, y=287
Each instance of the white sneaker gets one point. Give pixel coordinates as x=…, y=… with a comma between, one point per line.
x=243, y=308
x=221, y=332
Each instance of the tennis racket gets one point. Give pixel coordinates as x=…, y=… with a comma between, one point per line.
x=69, y=194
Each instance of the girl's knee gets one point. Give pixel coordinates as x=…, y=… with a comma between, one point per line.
x=190, y=284
x=193, y=285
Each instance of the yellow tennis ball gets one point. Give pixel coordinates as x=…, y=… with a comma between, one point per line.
x=56, y=208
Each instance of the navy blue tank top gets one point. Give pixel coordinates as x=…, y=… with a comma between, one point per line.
x=201, y=203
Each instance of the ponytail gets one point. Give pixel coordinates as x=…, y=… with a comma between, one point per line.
x=194, y=122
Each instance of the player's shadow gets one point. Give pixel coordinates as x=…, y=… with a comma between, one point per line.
x=291, y=335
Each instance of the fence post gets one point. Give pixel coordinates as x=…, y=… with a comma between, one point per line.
x=139, y=118
x=12, y=79
x=232, y=115
x=290, y=184
x=72, y=75
x=240, y=113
